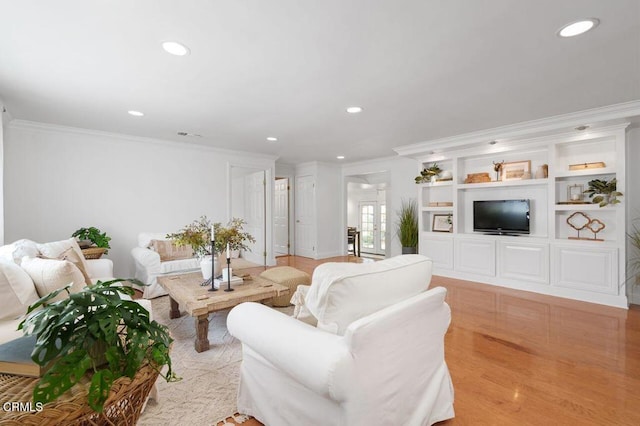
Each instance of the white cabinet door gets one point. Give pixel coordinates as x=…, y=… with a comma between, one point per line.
x=524, y=261
x=477, y=256
x=440, y=250
x=591, y=269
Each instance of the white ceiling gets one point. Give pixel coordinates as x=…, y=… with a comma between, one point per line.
x=421, y=69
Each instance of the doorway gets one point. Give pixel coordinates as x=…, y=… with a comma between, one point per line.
x=305, y=201
x=281, y=217
x=248, y=201
x=373, y=224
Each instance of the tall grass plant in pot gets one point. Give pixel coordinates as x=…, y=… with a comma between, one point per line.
x=408, y=226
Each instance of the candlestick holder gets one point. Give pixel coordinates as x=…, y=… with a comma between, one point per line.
x=228, y=275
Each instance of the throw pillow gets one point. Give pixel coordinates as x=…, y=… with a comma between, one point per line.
x=50, y=274
x=56, y=249
x=71, y=255
x=17, y=291
x=169, y=251
x=15, y=251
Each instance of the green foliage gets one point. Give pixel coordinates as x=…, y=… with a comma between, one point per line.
x=634, y=238
x=97, y=237
x=598, y=186
x=408, y=223
x=94, y=330
x=198, y=236
x=428, y=172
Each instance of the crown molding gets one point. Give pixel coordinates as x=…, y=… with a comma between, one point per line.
x=47, y=127
x=532, y=128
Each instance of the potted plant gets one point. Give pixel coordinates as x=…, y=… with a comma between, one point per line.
x=429, y=174
x=92, y=236
x=198, y=236
x=603, y=192
x=94, y=332
x=633, y=264
x=408, y=226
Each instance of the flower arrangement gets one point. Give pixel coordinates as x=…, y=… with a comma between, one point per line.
x=198, y=235
x=428, y=172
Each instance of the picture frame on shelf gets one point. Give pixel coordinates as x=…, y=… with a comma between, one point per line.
x=516, y=170
x=442, y=223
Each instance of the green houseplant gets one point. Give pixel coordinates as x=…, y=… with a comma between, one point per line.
x=408, y=226
x=428, y=172
x=603, y=192
x=97, y=237
x=198, y=235
x=94, y=331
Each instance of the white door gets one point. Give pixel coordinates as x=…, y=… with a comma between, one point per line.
x=254, y=215
x=281, y=216
x=373, y=223
x=305, y=216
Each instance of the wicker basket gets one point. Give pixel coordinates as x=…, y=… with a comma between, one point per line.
x=122, y=407
x=93, y=252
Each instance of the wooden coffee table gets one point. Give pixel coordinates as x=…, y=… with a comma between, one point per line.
x=199, y=302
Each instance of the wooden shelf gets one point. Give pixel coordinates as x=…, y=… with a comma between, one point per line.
x=438, y=209
x=442, y=183
x=502, y=184
x=572, y=207
x=586, y=172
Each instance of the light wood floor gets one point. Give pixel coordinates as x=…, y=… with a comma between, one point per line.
x=520, y=358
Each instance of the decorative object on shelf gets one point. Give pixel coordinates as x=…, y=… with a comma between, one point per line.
x=429, y=174
x=580, y=221
x=407, y=226
x=603, y=192
x=595, y=226
x=585, y=166
x=477, y=178
x=575, y=192
x=108, y=338
x=542, y=172
x=515, y=170
x=92, y=237
x=442, y=223
x=441, y=204
x=446, y=175
x=497, y=167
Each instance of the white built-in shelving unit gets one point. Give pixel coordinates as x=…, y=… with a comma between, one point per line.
x=546, y=260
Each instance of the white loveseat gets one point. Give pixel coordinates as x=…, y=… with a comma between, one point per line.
x=376, y=356
x=53, y=265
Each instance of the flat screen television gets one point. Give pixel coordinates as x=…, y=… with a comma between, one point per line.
x=501, y=216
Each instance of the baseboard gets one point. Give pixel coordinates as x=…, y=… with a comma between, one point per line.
x=327, y=254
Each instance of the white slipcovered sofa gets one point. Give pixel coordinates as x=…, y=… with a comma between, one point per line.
x=29, y=271
x=376, y=356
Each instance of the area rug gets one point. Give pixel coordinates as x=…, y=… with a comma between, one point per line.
x=207, y=392
x=238, y=419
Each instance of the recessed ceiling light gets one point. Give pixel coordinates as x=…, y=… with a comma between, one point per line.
x=272, y=139
x=175, y=48
x=354, y=109
x=581, y=128
x=340, y=157
x=579, y=27
x=493, y=142
x=135, y=113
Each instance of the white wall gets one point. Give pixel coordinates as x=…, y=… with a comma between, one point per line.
x=633, y=204
x=329, y=204
x=3, y=123
x=60, y=179
x=402, y=172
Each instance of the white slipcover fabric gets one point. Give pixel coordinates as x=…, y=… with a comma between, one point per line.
x=340, y=293
x=387, y=369
x=49, y=275
x=15, y=251
x=16, y=291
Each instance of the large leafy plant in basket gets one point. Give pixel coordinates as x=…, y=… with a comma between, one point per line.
x=95, y=332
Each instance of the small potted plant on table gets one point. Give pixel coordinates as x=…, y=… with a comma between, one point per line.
x=93, y=242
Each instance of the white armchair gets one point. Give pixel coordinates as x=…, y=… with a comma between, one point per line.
x=385, y=367
x=149, y=266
